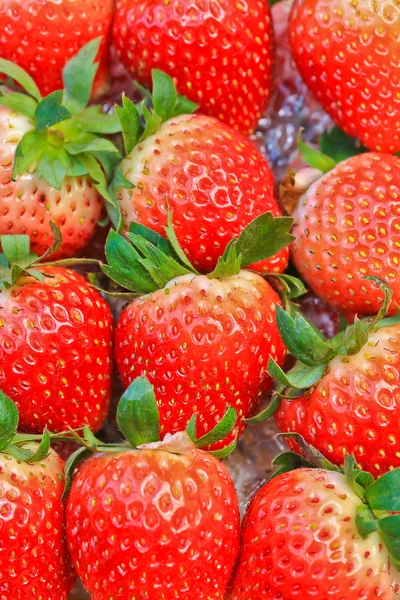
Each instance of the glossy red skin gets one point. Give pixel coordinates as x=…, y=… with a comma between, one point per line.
x=219, y=52
x=34, y=559
x=42, y=35
x=56, y=351
x=204, y=344
x=355, y=408
x=347, y=226
x=153, y=524
x=214, y=180
x=347, y=53
x=300, y=541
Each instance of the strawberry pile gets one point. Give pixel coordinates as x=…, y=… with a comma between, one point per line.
x=148, y=252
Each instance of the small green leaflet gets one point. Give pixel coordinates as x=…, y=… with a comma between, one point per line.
x=315, y=158
x=339, y=146
x=78, y=76
x=137, y=413
x=8, y=420
x=20, y=76
x=20, y=103
x=50, y=111
x=130, y=123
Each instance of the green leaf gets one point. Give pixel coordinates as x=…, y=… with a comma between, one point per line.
x=389, y=530
x=29, y=151
x=352, y=474
x=173, y=240
x=293, y=287
x=52, y=168
x=152, y=123
x=108, y=161
x=228, y=264
x=191, y=428
x=339, y=146
x=57, y=239
x=16, y=249
x=90, y=143
x=20, y=103
x=137, y=413
x=71, y=465
x=164, y=94
x=8, y=420
x=366, y=522
x=50, y=111
x=300, y=377
x=220, y=431
x=302, y=340
x=130, y=123
x=314, y=158
x=78, y=77
x=93, y=120
x=384, y=494
x=225, y=451
x=184, y=106
x=289, y=461
x=266, y=413
x=20, y=76
x=43, y=450
x=125, y=268
x=151, y=236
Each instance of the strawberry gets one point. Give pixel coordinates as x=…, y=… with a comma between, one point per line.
x=40, y=36
x=314, y=533
x=344, y=51
x=347, y=226
x=158, y=521
x=342, y=394
x=203, y=341
x=213, y=179
x=34, y=559
x=55, y=342
x=53, y=158
x=219, y=53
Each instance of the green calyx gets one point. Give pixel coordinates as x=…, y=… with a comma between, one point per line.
x=67, y=138
x=145, y=261
x=379, y=509
x=139, y=421
x=17, y=260
x=313, y=351
x=335, y=146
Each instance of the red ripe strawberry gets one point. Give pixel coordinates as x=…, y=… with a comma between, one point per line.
x=50, y=169
x=213, y=179
x=34, y=559
x=347, y=227
x=220, y=53
x=160, y=522
x=55, y=344
x=344, y=51
x=303, y=537
x=203, y=342
x=42, y=35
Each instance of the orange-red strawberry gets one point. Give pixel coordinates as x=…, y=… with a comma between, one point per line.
x=158, y=522
x=312, y=533
x=220, y=53
x=203, y=341
x=34, y=559
x=347, y=226
x=41, y=35
x=347, y=54
x=212, y=178
x=53, y=158
x=55, y=343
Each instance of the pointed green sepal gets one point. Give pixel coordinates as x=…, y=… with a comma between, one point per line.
x=18, y=74
x=313, y=455
x=300, y=377
x=78, y=77
x=268, y=412
x=339, y=146
x=223, y=428
x=70, y=466
x=137, y=413
x=8, y=420
x=315, y=158
x=289, y=461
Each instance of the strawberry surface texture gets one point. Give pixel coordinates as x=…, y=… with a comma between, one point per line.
x=220, y=53
x=55, y=351
x=347, y=52
x=41, y=35
x=153, y=524
x=34, y=559
x=214, y=181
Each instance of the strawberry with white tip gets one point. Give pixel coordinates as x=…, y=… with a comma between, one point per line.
x=54, y=157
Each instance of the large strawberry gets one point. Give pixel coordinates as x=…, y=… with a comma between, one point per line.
x=41, y=35
x=220, y=53
x=55, y=342
x=155, y=520
x=53, y=158
x=203, y=341
x=314, y=533
x=342, y=396
x=347, y=226
x=34, y=559
x=345, y=52
x=213, y=179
